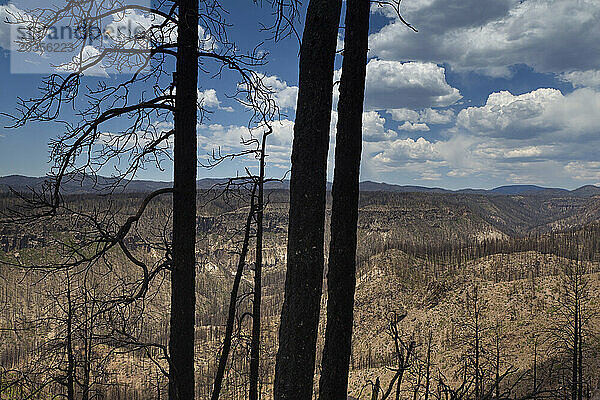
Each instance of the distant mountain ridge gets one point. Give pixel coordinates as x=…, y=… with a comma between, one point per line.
x=512, y=190
x=88, y=184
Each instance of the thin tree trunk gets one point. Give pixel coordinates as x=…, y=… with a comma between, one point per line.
x=376, y=388
x=535, y=385
x=427, y=373
x=88, y=338
x=580, y=356
x=232, y=303
x=70, y=355
x=574, y=371
x=497, y=360
x=477, y=376
x=403, y=367
x=399, y=383
x=256, y=301
x=183, y=274
x=341, y=280
x=295, y=365
x=417, y=384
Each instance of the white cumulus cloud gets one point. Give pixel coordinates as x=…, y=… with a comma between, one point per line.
x=374, y=127
x=416, y=85
x=208, y=99
x=285, y=95
x=542, y=112
x=416, y=126
x=490, y=36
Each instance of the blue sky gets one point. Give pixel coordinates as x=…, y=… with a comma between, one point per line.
x=487, y=93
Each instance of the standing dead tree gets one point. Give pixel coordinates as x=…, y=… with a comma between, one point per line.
x=295, y=366
x=233, y=302
x=404, y=351
x=294, y=372
x=254, y=218
x=474, y=330
x=341, y=275
x=405, y=356
x=160, y=112
x=573, y=312
x=258, y=263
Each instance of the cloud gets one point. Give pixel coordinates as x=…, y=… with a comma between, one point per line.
x=585, y=171
x=444, y=15
x=409, y=126
x=392, y=85
x=428, y=115
x=409, y=150
x=490, y=36
x=411, y=85
x=285, y=95
x=542, y=112
x=89, y=55
x=543, y=136
x=227, y=139
x=208, y=99
x=374, y=127
x=9, y=14
x=404, y=114
x=525, y=152
x=417, y=159
x=432, y=116
x=506, y=115
x=589, y=78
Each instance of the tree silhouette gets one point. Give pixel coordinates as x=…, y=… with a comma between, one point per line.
x=158, y=109
x=294, y=371
x=341, y=275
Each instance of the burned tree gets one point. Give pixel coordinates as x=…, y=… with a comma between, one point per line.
x=404, y=354
x=183, y=265
x=341, y=275
x=573, y=312
x=294, y=371
x=158, y=109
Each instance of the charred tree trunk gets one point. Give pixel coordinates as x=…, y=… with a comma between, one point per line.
x=477, y=333
x=344, y=213
x=376, y=389
x=294, y=371
x=535, y=371
x=256, y=300
x=88, y=337
x=580, y=360
x=183, y=274
x=232, y=303
x=575, y=369
x=428, y=370
x=497, y=361
x=403, y=366
x=70, y=354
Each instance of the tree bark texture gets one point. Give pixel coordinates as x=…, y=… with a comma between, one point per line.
x=341, y=276
x=294, y=371
x=183, y=274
